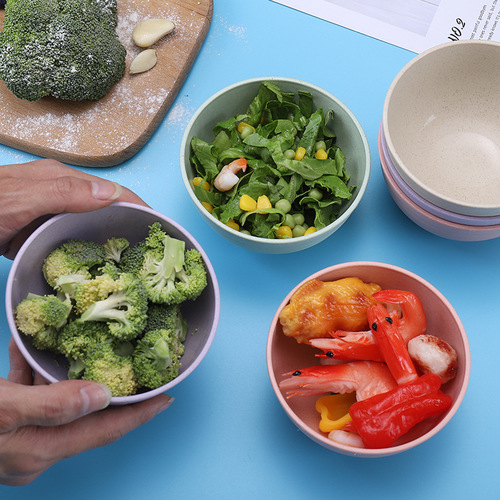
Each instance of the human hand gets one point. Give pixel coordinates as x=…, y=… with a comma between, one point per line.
x=32, y=192
x=42, y=424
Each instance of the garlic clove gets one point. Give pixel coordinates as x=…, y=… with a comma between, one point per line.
x=149, y=31
x=143, y=61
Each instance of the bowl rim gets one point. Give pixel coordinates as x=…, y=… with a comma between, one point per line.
x=351, y=450
x=360, y=189
x=115, y=400
x=431, y=194
x=459, y=220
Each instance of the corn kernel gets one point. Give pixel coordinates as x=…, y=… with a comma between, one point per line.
x=310, y=230
x=264, y=202
x=242, y=125
x=233, y=225
x=208, y=206
x=321, y=154
x=284, y=232
x=198, y=180
x=300, y=153
x=247, y=203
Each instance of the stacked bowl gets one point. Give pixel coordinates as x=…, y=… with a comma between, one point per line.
x=439, y=140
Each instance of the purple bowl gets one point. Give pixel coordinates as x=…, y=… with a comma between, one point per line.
x=470, y=220
x=122, y=220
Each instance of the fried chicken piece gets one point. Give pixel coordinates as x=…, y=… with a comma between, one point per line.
x=320, y=307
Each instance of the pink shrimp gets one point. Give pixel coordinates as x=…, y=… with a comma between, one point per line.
x=361, y=345
x=226, y=179
x=365, y=378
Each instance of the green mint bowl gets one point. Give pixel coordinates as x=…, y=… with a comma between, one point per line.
x=235, y=100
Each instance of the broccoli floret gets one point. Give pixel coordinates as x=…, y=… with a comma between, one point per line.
x=114, y=248
x=77, y=338
x=68, y=49
x=74, y=257
x=156, y=359
x=96, y=289
x=170, y=273
x=168, y=317
x=124, y=310
x=105, y=366
x=41, y=316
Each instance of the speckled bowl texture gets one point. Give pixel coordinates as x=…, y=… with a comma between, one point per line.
x=234, y=100
x=440, y=120
x=120, y=220
x=284, y=354
x=427, y=219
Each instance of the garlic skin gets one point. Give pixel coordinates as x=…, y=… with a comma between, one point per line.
x=144, y=61
x=149, y=31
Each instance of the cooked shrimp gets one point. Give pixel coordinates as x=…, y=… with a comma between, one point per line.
x=412, y=320
x=361, y=345
x=431, y=354
x=227, y=178
x=365, y=378
x=346, y=438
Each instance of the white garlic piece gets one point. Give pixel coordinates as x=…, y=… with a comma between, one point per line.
x=143, y=61
x=149, y=31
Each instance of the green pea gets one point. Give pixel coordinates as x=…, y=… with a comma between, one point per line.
x=289, y=221
x=299, y=219
x=298, y=230
x=316, y=194
x=246, y=132
x=244, y=231
x=320, y=145
x=284, y=205
x=289, y=154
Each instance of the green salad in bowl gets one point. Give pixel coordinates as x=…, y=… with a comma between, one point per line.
x=263, y=159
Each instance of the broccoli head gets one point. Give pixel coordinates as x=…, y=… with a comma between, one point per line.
x=96, y=289
x=103, y=365
x=168, y=317
x=77, y=338
x=68, y=49
x=156, y=358
x=124, y=310
x=41, y=316
x=74, y=257
x=114, y=248
x=170, y=273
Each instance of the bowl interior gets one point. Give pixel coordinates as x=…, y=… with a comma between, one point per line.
x=441, y=123
x=234, y=100
x=285, y=354
x=470, y=220
x=121, y=220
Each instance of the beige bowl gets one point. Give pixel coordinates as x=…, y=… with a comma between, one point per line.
x=440, y=120
x=284, y=354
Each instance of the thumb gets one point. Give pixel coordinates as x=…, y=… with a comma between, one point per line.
x=54, y=404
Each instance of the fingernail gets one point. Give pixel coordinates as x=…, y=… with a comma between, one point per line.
x=94, y=397
x=106, y=190
x=168, y=401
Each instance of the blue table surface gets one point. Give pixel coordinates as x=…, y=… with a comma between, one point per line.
x=226, y=435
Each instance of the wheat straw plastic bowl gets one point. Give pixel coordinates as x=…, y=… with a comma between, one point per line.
x=234, y=100
x=122, y=220
x=440, y=120
x=284, y=354
x=428, y=220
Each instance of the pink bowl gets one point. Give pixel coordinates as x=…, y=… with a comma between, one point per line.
x=430, y=222
x=469, y=220
x=284, y=354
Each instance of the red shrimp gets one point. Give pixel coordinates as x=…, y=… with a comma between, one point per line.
x=227, y=178
x=365, y=378
x=361, y=345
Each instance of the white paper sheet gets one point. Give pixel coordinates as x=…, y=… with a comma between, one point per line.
x=415, y=25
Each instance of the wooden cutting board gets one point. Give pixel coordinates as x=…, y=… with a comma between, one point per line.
x=111, y=130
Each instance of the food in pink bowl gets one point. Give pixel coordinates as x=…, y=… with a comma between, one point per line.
x=368, y=359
